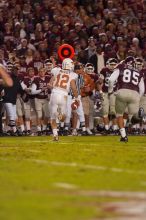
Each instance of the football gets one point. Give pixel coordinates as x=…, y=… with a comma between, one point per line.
x=75, y=105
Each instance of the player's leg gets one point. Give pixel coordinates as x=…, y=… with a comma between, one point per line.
x=112, y=113
x=54, y=114
x=105, y=112
x=143, y=107
x=46, y=115
x=121, y=103
x=81, y=116
x=86, y=109
x=20, y=114
x=11, y=115
x=68, y=115
x=39, y=113
x=133, y=108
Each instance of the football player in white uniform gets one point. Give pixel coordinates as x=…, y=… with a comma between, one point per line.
x=61, y=82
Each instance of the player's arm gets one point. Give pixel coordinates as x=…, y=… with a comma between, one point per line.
x=23, y=85
x=34, y=90
x=141, y=87
x=112, y=79
x=99, y=83
x=50, y=85
x=25, y=88
x=6, y=79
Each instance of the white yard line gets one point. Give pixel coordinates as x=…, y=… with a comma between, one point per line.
x=102, y=193
x=87, y=166
x=133, y=208
x=65, y=185
x=114, y=194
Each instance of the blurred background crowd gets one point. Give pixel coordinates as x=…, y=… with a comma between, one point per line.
x=36, y=28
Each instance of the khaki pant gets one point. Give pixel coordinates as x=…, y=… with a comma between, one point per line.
x=28, y=106
x=42, y=107
x=129, y=99
x=19, y=107
x=108, y=105
x=86, y=105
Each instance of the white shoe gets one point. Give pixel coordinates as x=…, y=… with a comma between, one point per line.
x=55, y=138
x=89, y=131
x=74, y=133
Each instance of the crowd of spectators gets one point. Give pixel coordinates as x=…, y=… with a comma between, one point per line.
x=34, y=29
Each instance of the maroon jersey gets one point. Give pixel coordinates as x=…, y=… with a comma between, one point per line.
x=48, y=73
x=41, y=83
x=106, y=72
x=129, y=78
x=28, y=82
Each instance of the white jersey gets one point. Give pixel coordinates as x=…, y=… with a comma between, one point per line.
x=62, y=80
x=55, y=70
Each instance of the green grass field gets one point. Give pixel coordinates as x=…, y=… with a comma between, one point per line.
x=77, y=178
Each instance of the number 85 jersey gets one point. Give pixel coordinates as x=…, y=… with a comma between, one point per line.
x=62, y=79
x=127, y=78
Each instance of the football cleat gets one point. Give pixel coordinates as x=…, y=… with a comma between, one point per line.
x=124, y=139
x=89, y=132
x=84, y=133
x=55, y=138
x=66, y=133
x=39, y=133
x=28, y=132
x=74, y=132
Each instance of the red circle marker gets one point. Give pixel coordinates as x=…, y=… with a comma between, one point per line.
x=66, y=51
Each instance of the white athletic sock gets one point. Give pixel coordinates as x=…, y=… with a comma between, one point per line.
x=123, y=132
x=137, y=126
x=44, y=127
x=22, y=128
x=38, y=128
x=55, y=132
x=78, y=124
x=83, y=129
x=27, y=125
x=106, y=127
x=115, y=127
